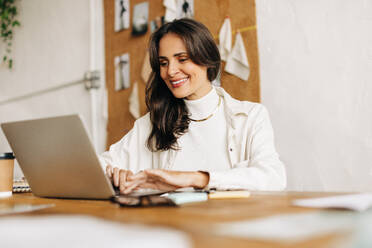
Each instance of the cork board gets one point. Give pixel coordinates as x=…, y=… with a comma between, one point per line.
x=211, y=13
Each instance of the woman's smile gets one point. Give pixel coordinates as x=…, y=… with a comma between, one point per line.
x=179, y=82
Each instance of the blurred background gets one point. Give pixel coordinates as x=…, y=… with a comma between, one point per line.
x=313, y=73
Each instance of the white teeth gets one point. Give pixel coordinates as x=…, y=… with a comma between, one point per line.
x=179, y=81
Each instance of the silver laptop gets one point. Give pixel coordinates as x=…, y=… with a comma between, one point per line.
x=57, y=158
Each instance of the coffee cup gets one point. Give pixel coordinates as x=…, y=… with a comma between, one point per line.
x=6, y=174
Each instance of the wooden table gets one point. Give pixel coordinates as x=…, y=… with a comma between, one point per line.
x=196, y=219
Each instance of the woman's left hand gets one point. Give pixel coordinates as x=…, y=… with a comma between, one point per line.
x=147, y=181
x=171, y=180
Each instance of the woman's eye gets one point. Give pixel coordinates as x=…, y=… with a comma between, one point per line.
x=163, y=63
x=183, y=59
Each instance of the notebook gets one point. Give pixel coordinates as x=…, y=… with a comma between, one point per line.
x=57, y=158
x=21, y=186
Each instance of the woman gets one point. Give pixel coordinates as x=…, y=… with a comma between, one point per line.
x=195, y=135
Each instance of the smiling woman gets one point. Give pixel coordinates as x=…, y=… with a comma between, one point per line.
x=185, y=57
x=195, y=135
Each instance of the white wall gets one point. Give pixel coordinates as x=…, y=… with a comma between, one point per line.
x=316, y=78
x=58, y=41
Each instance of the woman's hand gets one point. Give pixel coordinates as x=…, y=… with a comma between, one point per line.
x=156, y=179
x=171, y=180
x=118, y=177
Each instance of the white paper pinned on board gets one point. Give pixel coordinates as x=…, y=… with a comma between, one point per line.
x=146, y=68
x=170, y=10
x=134, y=106
x=237, y=61
x=225, y=39
x=356, y=202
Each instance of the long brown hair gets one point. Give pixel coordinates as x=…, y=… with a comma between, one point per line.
x=169, y=115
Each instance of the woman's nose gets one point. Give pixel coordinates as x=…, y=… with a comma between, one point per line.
x=172, y=69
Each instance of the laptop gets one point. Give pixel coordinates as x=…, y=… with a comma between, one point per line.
x=57, y=158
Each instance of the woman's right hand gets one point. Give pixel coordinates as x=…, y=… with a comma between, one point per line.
x=118, y=177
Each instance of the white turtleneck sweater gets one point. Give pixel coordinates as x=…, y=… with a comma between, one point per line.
x=204, y=146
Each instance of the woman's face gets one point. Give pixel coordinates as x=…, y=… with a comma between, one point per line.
x=184, y=78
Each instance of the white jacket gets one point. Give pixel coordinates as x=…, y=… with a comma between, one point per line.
x=255, y=163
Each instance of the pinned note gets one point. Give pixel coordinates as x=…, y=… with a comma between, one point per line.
x=170, y=10
x=134, y=105
x=146, y=68
x=237, y=61
x=225, y=39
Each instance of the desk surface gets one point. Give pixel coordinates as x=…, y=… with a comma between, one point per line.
x=195, y=219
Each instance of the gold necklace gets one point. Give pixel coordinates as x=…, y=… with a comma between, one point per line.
x=209, y=116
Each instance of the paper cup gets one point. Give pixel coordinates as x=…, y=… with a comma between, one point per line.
x=6, y=174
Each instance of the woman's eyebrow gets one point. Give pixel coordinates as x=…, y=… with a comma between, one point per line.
x=180, y=54
x=174, y=55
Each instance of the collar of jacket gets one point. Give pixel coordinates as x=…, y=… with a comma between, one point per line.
x=233, y=107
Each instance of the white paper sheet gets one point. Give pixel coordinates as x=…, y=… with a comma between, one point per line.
x=170, y=10
x=225, y=39
x=356, y=202
x=121, y=15
x=122, y=72
x=288, y=227
x=134, y=105
x=146, y=68
x=237, y=61
x=185, y=9
x=22, y=208
x=84, y=231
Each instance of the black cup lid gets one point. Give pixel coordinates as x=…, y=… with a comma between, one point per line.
x=6, y=155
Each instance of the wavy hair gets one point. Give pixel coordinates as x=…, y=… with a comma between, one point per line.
x=169, y=115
